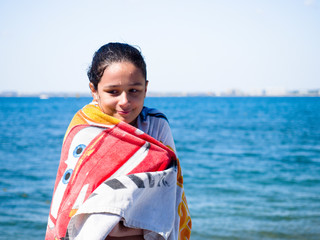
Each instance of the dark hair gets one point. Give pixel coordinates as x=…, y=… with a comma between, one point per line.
x=112, y=53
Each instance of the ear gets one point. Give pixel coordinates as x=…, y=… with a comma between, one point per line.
x=145, y=91
x=94, y=92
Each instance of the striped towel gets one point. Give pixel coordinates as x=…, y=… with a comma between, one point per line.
x=111, y=171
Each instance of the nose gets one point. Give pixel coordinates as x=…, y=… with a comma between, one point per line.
x=124, y=99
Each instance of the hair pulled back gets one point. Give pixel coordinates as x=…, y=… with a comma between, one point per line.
x=114, y=53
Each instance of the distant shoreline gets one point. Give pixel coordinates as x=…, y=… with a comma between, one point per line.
x=230, y=93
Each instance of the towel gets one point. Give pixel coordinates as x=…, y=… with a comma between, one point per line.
x=111, y=172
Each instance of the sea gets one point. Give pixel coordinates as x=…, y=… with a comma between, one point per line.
x=251, y=165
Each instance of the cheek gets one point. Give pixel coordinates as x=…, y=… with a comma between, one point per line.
x=139, y=101
x=107, y=103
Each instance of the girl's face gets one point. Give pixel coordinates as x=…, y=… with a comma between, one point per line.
x=121, y=91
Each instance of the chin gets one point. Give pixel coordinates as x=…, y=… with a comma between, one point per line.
x=129, y=121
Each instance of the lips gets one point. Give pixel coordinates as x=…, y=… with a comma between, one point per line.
x=122, y=112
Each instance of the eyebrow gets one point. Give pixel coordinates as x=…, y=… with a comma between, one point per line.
x=131, y=85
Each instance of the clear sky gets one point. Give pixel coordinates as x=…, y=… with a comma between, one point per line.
x=189, y=46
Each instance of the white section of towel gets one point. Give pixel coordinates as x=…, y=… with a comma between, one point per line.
x=88, y=227
x=146, y=201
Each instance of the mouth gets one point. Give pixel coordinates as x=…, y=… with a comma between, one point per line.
x=123, y=113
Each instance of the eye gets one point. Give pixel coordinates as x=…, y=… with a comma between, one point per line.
x=113, y=92
x=134, y=90
x=66, y=176
x=78, y=150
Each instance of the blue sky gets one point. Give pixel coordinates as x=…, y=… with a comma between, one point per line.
x=189, y=46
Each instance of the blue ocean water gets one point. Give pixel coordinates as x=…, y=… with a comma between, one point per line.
x=251, y=165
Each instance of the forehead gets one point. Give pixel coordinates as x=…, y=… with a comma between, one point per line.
x=122, y=73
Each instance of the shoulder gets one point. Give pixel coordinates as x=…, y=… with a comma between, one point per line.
x=152, y=121
x=151, y=113
x=156, y=124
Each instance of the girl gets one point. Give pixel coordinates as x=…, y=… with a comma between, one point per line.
x=118, y=165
